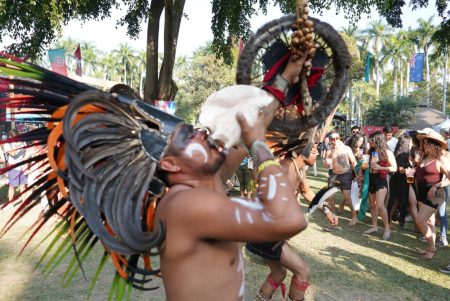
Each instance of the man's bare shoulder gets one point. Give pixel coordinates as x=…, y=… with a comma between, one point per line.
x=188, y=201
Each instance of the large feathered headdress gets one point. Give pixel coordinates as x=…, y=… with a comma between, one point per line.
x=99, y=164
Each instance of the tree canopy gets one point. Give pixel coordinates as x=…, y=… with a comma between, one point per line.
x=36, y=24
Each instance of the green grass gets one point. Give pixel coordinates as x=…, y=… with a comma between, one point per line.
x=345, y=265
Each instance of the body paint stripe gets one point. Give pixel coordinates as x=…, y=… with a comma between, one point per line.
x=249, y=217
x=237, y=215
x=248, y=204
x=272, y=187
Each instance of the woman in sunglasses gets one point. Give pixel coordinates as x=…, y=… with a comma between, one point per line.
x=382, y=162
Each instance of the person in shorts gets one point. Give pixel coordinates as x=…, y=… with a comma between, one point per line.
x=341, y=162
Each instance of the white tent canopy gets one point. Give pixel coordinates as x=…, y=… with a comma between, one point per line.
x=442, y=126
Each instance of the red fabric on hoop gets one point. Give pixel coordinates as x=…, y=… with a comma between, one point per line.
x=274, y=69
x=277, y=93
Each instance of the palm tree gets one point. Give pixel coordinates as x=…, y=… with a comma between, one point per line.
x=109, y=66
x=142, y=60
x=90, y=57
x=350, y=35
x=125, y=54
x=396, y=111
x=351, y=31
x=398, y=50
x=377, y=32
x=406, y=49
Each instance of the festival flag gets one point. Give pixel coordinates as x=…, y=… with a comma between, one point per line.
x=77, y=55
x=58, y=61
x=416, y=67
x=367, y=68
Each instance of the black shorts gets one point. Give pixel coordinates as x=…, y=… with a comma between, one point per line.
x=345, y=179
x=266, y=250
x=376, y=183
x=422, y=195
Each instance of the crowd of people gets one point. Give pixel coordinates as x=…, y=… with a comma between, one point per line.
x=396, y=178
x=399, y=179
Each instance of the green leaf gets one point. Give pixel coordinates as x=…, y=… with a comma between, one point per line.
x=97, y=273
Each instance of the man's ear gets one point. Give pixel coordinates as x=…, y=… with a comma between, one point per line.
x=169, y=164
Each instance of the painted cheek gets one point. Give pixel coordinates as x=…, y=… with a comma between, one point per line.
x=193, y=148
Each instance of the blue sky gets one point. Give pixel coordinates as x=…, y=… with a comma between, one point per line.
x=196, y=30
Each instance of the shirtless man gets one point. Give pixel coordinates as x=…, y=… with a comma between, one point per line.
x=342, y=164
x=280, y=256
x=200, y=256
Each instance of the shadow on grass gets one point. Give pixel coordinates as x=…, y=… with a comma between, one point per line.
x=373, y=276
x=358, y=273
x=395, y=262
x=22, y=280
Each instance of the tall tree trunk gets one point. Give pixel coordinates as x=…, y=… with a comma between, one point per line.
x=444, y=98
x=125, y=72
x=350, y=101
x=377, y=74
x=326, y=124
x=427, y=63
x=173, y=14
x=395, y=71
x=377, y=68
x=407, y=79
x=401, y=78
x=151, y=74
x=359, y=119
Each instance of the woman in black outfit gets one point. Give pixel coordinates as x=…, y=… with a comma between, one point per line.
x=382, y=162
x=399, y=195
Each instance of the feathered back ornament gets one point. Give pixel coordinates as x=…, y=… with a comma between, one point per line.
x=98, y=161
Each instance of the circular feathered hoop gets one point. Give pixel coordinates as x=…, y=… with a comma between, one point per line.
x=265, y=55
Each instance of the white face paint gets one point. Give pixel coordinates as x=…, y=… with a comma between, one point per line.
x=195, y=147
